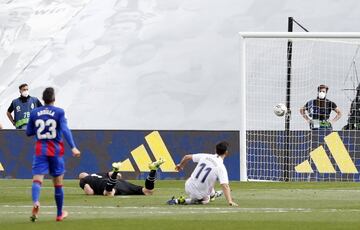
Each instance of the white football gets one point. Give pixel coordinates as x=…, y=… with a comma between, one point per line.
x=280, y=109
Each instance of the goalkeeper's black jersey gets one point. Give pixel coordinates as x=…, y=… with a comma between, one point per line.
x=96, y=182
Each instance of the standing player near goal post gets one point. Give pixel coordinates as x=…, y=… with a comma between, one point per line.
x=48, y=124
x=319, y=109
x=200, y=185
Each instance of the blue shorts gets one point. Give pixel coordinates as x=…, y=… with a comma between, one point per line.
x=55, y=166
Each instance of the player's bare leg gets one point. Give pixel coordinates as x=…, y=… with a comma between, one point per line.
x=35, y=192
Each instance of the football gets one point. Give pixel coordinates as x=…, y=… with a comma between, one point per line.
x=280, y=110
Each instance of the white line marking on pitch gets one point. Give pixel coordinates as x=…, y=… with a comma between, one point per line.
x=177, y=209
x=303, y=190
x=242, y=190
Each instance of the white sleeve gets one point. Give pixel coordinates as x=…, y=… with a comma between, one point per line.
x=197, y=157
x=223, y=175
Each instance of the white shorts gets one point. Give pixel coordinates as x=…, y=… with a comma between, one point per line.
x=195, y=194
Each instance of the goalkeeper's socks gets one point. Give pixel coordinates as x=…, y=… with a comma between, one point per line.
x=59, y=198
x=35, y=191
x=111, y=182
x=150, y=180
x=114, y=175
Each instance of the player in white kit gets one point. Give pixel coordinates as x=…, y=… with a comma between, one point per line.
x=200, y=185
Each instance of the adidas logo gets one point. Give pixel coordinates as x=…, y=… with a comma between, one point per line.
x=142, y=158
x=322, y=161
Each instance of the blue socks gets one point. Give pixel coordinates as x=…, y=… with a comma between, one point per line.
x=59, y=195
x=59, y=198
x=35, y=191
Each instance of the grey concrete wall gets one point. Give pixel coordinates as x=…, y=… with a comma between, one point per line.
x=150, y=64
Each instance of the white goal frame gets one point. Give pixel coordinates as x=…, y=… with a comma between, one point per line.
x=259, y=35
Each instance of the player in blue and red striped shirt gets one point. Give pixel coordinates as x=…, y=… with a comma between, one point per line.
x=48, y=124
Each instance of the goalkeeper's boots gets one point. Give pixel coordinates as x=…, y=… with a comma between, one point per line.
x=181, y=200
x=116, y=166
x=156, y=164
x=173, y=201
x=216, y=195
x=35, y=212
x=63, y=216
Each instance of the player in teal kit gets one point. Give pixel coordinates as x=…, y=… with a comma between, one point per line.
x=22, y=107
x=48, y=124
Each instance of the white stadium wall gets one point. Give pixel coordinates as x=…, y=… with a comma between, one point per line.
x=150, y=64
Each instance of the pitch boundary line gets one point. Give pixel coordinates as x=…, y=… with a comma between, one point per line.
x=178, y=209
x=242, y=190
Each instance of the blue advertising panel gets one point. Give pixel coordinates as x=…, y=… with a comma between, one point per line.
x=135, y=148
x=305, y=155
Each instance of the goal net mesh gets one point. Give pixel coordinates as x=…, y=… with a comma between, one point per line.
x=300, y=154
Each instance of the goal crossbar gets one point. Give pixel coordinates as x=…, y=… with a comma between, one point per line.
x=330, y=35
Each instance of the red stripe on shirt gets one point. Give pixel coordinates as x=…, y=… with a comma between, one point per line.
x=38, y=148
x=62, y=150
x=50, y=151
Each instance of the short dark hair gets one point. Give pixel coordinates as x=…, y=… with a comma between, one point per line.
x=323, y=87
x=49, y=95
x=22, y=86
x=221, y=148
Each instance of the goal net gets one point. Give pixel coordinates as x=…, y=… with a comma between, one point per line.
x=288, y=68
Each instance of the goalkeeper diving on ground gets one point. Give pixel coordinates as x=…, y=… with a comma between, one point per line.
x=111, y=183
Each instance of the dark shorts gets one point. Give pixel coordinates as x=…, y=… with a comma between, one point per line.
x=42, y=165
x=123, y=187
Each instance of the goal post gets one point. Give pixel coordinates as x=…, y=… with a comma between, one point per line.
x=317, y=58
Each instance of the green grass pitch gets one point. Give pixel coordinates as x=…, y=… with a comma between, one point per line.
x=261, y=206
